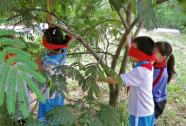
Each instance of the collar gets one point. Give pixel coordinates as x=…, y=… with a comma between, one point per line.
x=145, y=64
x=141, y=56
x=51, y=46
x=160, y=65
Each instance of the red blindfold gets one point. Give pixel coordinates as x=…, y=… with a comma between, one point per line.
x=52, y=46
x=141, y=56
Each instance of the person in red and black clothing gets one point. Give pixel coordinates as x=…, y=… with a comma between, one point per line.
x=163, y=73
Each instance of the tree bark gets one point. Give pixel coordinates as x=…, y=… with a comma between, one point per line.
x=114, y=92
x=50, y=16
x=138, y=29
x=161, y=1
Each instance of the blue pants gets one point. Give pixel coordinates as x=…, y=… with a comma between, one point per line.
x=49, y=105
x=141, y=121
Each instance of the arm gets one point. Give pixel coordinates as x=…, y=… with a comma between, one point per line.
x=132, y=78
x=39, y=63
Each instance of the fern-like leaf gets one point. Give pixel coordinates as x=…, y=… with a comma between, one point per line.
x=109, y=116
x=12, y=42
x=36, y=75
x=3, y=80
x=16, y=73
x=11, y=94
x=90, y=85
x=64, y=116
x=23, y=62
x=22, y=100
x=5, y=32
x=73, y=73
x=34, y=88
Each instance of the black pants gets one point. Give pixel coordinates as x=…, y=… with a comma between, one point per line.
x=159, y=108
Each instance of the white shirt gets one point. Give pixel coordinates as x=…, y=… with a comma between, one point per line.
x=140, y=98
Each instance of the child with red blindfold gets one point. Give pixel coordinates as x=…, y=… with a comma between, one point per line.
x=139, y=81
x=56, y=45
x=163, y=73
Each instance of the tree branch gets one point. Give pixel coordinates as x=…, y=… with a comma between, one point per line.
x=107, y=53
x=137, y=30
x=84, y=43
x=122, y=42
x=128, y=40
x=12, y=17
x=124, y=61
x=161, y=1
x=123, y=20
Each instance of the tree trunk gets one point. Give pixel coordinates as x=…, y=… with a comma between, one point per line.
x=50, y=16
x=114, y=92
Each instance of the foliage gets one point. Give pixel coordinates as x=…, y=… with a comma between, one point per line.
x=79, y=114
x=171, y=15
x=102, y=29
x=146, y=13
x=143, y=9
x=17, y=73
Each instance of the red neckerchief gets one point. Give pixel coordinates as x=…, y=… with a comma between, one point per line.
x=149, y=66
x=159, y=66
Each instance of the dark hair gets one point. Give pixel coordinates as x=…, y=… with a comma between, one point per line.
x=166, y=50
x=54, y=36
x=144, y=44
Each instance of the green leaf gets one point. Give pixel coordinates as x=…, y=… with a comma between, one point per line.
x=64, y=116
x=11, y=94
x=34, y=88
x=22, y=100
x=19, y=53
x=2, y=20
x=23, y=62
x=15, y=77
x=134, y=6
x=36, y=75
x=12, y=42
x=7, y=32
x=3, y=80
x=109, y=116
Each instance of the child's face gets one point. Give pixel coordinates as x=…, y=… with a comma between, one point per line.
x=158, y=55
x=135, y=46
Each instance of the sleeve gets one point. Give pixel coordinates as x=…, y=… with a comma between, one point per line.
x=132, y=78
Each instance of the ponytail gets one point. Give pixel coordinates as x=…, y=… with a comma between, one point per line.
x=170, y=67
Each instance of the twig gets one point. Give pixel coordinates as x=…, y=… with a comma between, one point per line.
x=107, y=53
x=137, y=30
x=35, y=106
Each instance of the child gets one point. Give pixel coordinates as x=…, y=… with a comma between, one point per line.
x=56, y=46
x=139, y=81
x=163, y=72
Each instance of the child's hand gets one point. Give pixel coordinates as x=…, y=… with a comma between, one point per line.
x=39, y=63
x=108, y=80
x=111, y=80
